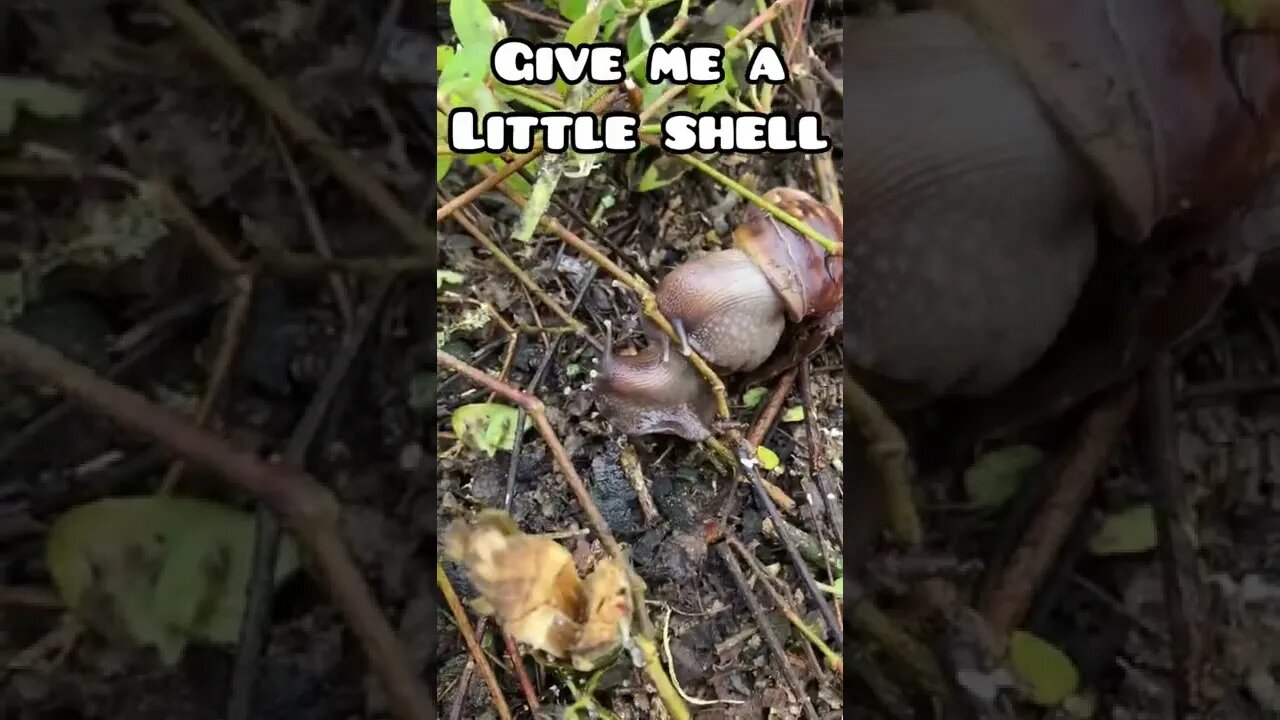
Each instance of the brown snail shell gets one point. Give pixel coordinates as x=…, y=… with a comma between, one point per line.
x=732, y=307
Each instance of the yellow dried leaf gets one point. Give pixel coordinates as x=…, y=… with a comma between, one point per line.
x=530, y=583
x=608, y=617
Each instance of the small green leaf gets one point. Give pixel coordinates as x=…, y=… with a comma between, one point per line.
x=661, y=173
x=448, y=276
x=443, y=163
x=1126, y=532
x=997, y=475
x=1049, y=674
x=586, y=28
x=444, y=53
x=572, y=9
x=160, y=570
x=38, y=97
x=793, y=414
x=754, y=396
x=488, y=427
x=639, y=39
x=768, y=458
x=473, y=22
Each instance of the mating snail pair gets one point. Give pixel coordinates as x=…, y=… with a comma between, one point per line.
x=733, y=307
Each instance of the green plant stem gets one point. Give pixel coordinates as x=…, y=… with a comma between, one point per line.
x=750, y=28
x=834, y=659
x=537, y=100
x=832, y=247
x=667, y=692
x=514, y=268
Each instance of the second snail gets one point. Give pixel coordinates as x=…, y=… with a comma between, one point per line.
x=732, y=307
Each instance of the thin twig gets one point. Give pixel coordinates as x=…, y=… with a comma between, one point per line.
x=303, y=129
x=267, y=539
x=315, y=228
x=772, y=407
x=766, y=631
x=512, y=267
x=832, y=657
x=832, y=247
x=834, y=626
x=473, y=647
x=522, y=677
x=887, y=449
x=494, y=179
x=220, y=371
x=1071, y=486
x=1178, y=562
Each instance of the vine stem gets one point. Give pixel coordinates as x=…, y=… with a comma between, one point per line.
x=831, y=246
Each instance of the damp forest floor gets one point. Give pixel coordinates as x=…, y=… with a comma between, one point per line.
x=132, y=158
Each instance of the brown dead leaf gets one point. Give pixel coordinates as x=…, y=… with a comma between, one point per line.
x=529, y=583
x=608, y=615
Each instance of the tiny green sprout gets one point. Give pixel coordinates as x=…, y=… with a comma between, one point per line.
x=754, y=396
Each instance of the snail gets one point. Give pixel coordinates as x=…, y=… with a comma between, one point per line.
x=989, y=149
x=732, y=307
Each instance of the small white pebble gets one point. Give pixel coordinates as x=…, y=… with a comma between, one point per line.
x=593, y=374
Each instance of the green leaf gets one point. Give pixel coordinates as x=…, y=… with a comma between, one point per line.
x=997, y=475
x=586, y=28
x=473, y=22
x=38, y=97
x=444, y=53
x=161, y=570
x=572, y=9
x=448, y=276
x=443, y=163
x=754, y=396
x=714, y=95
x=793, y=414
x=639, y=39
x=661, y=173
x=488, y=427
x=768, y=458
x=1049, y=674
x=1126, y=532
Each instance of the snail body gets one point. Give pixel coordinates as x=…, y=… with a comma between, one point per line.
x=731, y=307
